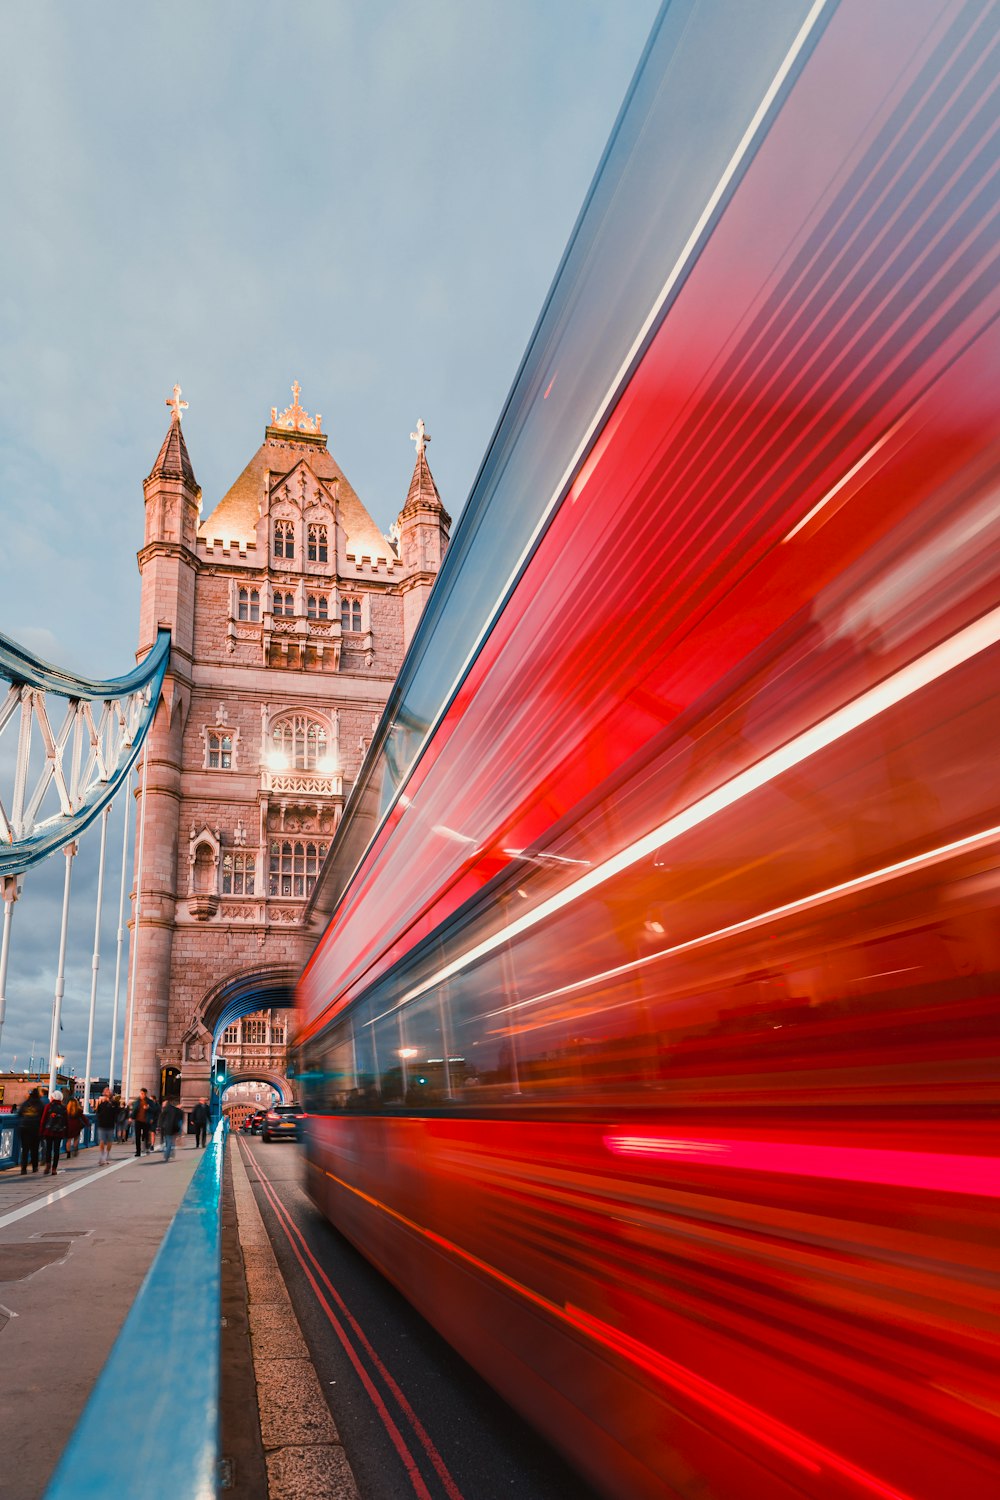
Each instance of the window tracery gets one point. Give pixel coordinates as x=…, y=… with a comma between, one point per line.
x=248, y=604
x=293, y=867
x=238, y=871
x=284, y=539
x=300, y=743
x=317, y=548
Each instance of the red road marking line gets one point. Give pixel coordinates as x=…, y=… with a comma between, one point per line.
x=426, y=1442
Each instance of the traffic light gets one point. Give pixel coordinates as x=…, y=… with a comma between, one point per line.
x=219, y=1072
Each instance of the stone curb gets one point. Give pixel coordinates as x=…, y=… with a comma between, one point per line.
x=302, y=1448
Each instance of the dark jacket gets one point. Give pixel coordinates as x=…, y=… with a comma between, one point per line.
x=107, y=1114
x=54, y=1119
x=171, y=1119
x=30, y=1114
x=200, y=1115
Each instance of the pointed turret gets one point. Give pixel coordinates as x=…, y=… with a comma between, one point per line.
x=172, y=461
x=168, y=565
x=167, y=560
x=423, y=528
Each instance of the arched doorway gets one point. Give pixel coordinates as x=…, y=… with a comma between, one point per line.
x=247, y=1016
x=242, y=1096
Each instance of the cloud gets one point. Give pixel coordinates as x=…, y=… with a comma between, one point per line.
x=371, y=199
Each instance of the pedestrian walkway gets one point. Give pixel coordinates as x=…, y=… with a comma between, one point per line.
x=73, y=1253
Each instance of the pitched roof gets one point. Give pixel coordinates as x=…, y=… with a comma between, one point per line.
x=423, y=490
x=236, y=516
x=172, y=461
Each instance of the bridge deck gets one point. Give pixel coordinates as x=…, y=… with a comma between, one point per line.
x=73, y=1254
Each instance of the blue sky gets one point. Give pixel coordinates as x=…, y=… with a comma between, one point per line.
x=368, y=197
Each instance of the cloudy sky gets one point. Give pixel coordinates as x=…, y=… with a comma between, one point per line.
x=367, y=196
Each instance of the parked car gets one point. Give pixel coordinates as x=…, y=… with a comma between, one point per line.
x=281, y=1121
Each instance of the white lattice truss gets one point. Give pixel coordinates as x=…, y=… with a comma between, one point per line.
x=89, y=735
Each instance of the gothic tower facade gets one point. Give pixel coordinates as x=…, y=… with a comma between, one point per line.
x=289, y=614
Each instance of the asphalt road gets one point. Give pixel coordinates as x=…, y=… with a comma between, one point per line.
x=474, y=1446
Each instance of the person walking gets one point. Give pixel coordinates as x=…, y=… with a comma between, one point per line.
x=107, y=1119
x=29, y=1118
x=140, y=1120
x=199, y=1119
x=75, y=1119
x=152, y=1122
x=53, y=1130
x=171, y=1123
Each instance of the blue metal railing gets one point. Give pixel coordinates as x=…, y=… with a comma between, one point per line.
x=161, y=1434
x=10, y=1139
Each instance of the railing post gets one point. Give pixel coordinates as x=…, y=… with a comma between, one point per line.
x=11, y=887
x=96, y=961
x=120, y=942
x=130, y=1018
x=69, y=850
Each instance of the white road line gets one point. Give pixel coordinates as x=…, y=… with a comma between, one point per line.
x=50, y=1198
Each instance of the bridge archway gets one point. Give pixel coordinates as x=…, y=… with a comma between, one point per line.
x=263, y=988
x=251, y=1089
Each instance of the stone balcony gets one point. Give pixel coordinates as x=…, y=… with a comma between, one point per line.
x=302, y=783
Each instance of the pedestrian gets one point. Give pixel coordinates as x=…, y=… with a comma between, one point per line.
x=123, y=1122
x=53, y=1129
x=140, y=1119
x=154, y=1115
x=171, y=1123
x=107, y=1119
x=75, y=1119
x=199, y=1119
x=30, y=1119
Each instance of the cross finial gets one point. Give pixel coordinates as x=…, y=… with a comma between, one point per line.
x=421, y=437
x=294, y=417
x=175, y=403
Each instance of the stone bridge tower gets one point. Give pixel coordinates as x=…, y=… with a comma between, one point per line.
x=289, y=613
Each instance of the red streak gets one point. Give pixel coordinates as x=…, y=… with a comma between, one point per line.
x=740, y=1414
x=932, y=1171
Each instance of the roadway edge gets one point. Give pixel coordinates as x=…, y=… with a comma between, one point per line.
x=302, y=1448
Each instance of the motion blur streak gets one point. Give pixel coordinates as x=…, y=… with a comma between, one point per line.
x=652, y=1045
x=937, y=1173
x=921, y=861
x=749, y=1418
x=793, y=1445
x=944, y=658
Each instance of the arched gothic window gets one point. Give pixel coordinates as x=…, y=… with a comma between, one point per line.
x=316, y=544
x=220, y=750
x=294, y=866
x=284, y=604
x=318, y=607
x=284, y=539
x=299, y=742
x=249, y=604
x=254, y=1031
x=350, y=614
